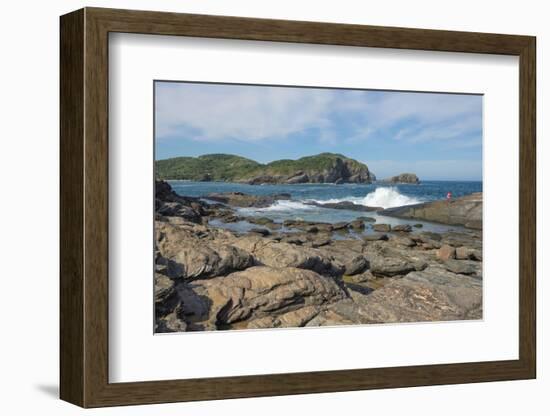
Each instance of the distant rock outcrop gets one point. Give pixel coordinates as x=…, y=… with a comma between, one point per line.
x=403, y=178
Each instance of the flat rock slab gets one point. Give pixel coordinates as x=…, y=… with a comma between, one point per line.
x=466, y=211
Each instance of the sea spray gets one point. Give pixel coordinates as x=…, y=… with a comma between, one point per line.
x=280, y=205
x=384, y=197
x=387, y=197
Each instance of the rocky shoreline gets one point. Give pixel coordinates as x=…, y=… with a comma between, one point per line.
x=466, y=211
x=298, y=274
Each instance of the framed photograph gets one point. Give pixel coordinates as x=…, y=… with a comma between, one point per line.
x=255, y=207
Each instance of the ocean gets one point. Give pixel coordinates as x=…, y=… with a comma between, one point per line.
x=375, y=195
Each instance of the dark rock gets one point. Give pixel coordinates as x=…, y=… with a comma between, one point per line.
x=239, y=199
x=166, y=298
x=366, y=219
x=347, y=205
x=261, y=231
x=405, y=228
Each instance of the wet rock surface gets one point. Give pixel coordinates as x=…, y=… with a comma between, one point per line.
x=348, y=205
x=239, y=199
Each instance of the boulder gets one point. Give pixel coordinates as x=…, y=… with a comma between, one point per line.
x=261, y=292
x=402, y=241
x=177, y=209
x=446, y=252
x=387, y=259
x=357, y=265
x=357, y=225
x=405, y=228
x=375, y=237
x=466, y=211
x=383, y=228
x=468, y=267
x=187, y=256
x=467, y=253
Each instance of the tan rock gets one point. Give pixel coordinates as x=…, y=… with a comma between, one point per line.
x=261, y=292
x=446, y=252
x=188, y=256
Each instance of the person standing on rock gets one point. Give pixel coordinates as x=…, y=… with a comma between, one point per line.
x=449, y=196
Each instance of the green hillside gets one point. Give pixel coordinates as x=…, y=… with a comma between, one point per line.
x=308, y=164
x=324, y=167
x=214, y=167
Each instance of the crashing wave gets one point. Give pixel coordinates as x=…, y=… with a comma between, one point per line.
x=384, y=197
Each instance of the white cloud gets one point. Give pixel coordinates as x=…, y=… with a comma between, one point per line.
x=248, y=114
x=219, y=112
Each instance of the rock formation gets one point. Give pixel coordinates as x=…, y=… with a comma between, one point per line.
x=208, y=278
x=466, y=211
x=403, y=178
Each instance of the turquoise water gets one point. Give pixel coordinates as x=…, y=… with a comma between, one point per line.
x=375, y=195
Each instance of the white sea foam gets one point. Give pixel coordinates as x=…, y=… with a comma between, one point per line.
x=385, y=197
x=388, y=197
x=280, y=205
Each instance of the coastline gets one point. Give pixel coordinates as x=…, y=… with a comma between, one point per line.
x=294, y=273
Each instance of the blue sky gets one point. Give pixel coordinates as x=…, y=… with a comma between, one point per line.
x=436, y=136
